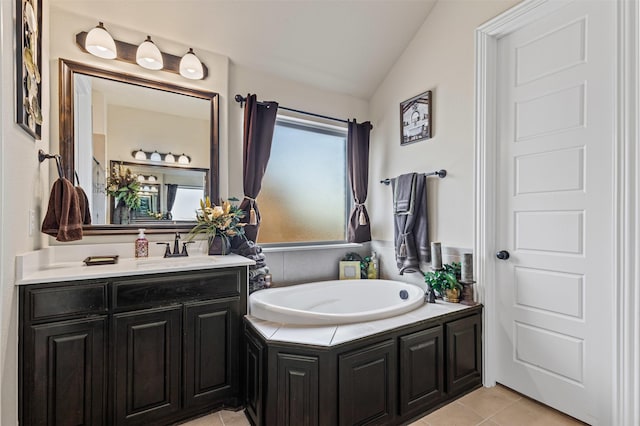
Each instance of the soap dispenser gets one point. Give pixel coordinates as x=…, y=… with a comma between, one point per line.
x=142, y=244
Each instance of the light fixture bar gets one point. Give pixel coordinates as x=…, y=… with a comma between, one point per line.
x=126, y=52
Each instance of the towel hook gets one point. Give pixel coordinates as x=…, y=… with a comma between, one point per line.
x=43, y=156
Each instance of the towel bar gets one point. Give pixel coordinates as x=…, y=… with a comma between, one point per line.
x=42, y=156
x=440, y=173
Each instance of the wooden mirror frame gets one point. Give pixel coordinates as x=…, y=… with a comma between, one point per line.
x=67, y=69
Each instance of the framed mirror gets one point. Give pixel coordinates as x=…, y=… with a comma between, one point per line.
x=106, y=118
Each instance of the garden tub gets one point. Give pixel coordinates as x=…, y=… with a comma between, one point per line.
x=335, y=302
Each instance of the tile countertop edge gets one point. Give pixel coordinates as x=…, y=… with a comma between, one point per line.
x=26, y=273
x=378, y=325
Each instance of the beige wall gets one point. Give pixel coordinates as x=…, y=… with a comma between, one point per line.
x=440, y=58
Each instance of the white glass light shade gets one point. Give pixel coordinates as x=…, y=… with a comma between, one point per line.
x=183, y=159
x=169, y=158
x=155, y=156
x=148, y=55
x=151, y=178
x=100, y=43
x=140, y=155
x=154, y=189
x=140, y=178
x=190, y=66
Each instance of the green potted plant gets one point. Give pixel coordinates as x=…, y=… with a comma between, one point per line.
x=124, y=187
x=445, y=282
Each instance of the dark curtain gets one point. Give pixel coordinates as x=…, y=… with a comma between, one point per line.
x=172, y=190
x=359, y=230
x=259, y=122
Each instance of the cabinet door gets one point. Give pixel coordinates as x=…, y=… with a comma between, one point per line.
x=64, y=373
x=211, y=351
x=254, y=378
x=297, y=387
x=464, y=353
x=367, y=385
x=421, y=370
x=147, y=349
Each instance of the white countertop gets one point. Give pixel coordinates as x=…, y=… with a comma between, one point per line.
x=337, y=334
x=45, y=266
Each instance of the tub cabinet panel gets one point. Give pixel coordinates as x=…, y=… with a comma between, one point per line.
x=65, y=382
x=464, y=353
x=298, y=382
x=152, y=349
x=421, y=370
x=367, y=383
x=390, y=378
x=254, y=365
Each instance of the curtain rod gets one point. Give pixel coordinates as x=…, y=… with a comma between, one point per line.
x=242, y=100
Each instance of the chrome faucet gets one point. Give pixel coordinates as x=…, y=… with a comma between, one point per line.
x=176, y=248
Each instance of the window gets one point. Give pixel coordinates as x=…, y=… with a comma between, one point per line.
x=304, y=196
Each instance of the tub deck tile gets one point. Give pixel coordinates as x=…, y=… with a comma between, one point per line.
x=305, y=334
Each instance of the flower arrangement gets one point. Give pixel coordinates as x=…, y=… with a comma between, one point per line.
x=124, y=187
x=222, y=221
x=445, y=281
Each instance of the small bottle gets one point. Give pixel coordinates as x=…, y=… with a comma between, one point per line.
x=376, y=264
x=142, y=244
x=372, y=268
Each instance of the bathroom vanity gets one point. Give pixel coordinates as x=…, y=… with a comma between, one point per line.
x=140, y=343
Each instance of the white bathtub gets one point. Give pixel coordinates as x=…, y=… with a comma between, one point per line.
x=335, y=302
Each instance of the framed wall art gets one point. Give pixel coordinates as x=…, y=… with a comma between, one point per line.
x=415, y=119
x=349, y=269
x=28, y=66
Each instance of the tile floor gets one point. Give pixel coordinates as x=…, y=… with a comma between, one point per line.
x=497, y=406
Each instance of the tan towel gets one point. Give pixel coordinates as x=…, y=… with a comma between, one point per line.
x=84, y=206
x=63, y=219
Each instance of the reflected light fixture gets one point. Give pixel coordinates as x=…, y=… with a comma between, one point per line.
x=151, y=178
x=169, y=158
x=190, y=66
x=149, y=56
x=140, y=178
x=155, y=156
x=183, y=159
x=140, y=155
x=100, y=43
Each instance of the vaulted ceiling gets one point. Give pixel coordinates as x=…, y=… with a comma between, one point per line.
x=346, y=46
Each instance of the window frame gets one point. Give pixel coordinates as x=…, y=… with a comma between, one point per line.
x=330, y=130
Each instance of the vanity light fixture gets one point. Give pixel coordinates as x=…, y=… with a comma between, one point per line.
x=183, y=159
x=140, y=178
x=169, y=158
x=146, y=55
x=190, y=66
x=151, y=179
x=149, y=56
x=155, y=156
x=140, y=155
x=100, y=43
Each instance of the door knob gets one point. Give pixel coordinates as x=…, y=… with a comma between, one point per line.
x=502, y=255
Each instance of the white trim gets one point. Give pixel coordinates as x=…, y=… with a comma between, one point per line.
x=626, y=336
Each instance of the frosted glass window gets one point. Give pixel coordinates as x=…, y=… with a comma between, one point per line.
x=187, y=201
x=304, y=191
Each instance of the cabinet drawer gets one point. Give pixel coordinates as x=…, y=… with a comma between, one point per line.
x=170, y=288
x=55, y=302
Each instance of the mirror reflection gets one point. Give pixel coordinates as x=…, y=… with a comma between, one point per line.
x=158, y=193
x=164, y=135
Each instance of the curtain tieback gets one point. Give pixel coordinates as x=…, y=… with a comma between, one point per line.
x=362, y=219
x=402, y=252
x=253, y=219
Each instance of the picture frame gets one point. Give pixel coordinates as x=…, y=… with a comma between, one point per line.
x=349, y=269
x=29, y=66
x=415, y=118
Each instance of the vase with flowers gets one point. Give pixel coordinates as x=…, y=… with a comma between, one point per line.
x=124, y=187
x=220, y=223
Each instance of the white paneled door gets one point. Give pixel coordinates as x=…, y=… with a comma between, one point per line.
x=555, y=139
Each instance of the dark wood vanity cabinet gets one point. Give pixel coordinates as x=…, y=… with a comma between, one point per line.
x=390, y=378
x=153, y=349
